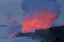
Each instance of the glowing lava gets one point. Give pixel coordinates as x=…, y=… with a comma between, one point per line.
x=11, y=35
x=38, y=20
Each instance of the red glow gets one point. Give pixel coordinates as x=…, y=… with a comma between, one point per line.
x=39, y=20
x=11, y=35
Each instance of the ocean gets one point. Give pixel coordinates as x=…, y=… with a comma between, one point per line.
x=16, y=39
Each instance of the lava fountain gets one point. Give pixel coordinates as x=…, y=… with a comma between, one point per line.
x=39, y=14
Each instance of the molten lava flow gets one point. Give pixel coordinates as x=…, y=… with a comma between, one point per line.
x=11, y=35
x=39, y=20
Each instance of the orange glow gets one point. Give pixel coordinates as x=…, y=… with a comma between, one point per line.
x=39, y=20
x=11, y=35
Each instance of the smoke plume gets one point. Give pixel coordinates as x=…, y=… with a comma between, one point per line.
x=13, y=26
x=39, y=14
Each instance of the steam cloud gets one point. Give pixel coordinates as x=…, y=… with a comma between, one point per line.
x=40, y=4
x=45, y=10
x=39, y=14
x=13, y=26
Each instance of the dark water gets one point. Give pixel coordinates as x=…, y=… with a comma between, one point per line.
x=2, y=30
x=16, y=39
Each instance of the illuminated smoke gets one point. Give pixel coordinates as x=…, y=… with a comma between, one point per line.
x=13, y=26
x=9, y=16
x=39, y=14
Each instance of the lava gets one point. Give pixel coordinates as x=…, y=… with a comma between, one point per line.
x=11, y=36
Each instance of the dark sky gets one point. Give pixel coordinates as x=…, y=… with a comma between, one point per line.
x=14, y=5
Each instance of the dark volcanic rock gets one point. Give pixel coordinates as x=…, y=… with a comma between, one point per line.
x=42, y=32
x=49, y=34
x=57, y=31
x=55, y=34
x=59, y=40
x=24, y=34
